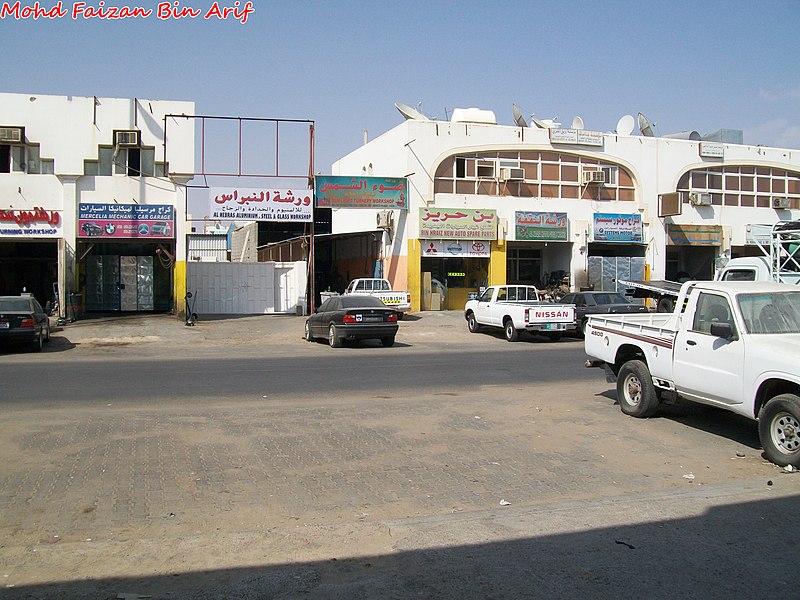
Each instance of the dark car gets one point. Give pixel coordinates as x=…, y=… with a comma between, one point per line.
x=23, y=321
x=594, y=303
x=353, y=317
x=92, y=229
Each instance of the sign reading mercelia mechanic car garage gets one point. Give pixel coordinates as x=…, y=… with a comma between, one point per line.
x=153, y=221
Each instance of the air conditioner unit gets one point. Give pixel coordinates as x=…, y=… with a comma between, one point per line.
x=126, y=138
x=385, y=219
x=698, y=199
x=511, y=174
x=593, y=177
x=781, y=203
x=11, y=135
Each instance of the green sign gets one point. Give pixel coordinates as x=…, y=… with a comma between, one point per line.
x=457, y=223
x=334, y=191
x=541, y=226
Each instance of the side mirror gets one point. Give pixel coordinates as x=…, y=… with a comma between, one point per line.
x=723, y=330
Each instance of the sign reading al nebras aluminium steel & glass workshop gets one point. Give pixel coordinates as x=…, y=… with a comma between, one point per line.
x=613, y=227
x=455, y=248
x=335, y=191
x=259, y=204
x=151, y=221
x=37, y=222
x=457, y=223
x=541, y=226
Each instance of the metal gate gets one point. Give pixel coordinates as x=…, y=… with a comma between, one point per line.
x=606, y=271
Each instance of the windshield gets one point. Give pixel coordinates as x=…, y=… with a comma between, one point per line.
x=771, y=313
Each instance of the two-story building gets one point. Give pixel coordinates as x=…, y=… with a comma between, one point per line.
x=492, y=203
x=92, y=203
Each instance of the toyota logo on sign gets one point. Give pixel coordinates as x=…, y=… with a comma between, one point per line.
x=478, y=246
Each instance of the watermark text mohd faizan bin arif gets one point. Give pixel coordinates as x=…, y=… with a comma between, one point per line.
x=239, y=11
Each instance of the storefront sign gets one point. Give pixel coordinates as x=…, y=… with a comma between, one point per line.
x=584, y=137
x=361, y=192
x=758, y=235
x=131, y=221
x=457, y=223
x=261, y=204
x=613, y=227
x=37, y=222
x=710, y=150
x=694, y=235
x=455, y=248
x=541, y=226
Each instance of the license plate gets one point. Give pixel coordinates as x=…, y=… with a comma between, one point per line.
x=4, y=325
x=554, y=326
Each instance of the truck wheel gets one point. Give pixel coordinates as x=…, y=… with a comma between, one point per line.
x=472, y=323
x=512, y=335
x=333, y=337
x=666, y=305
x=636, y=393
x=779, y=430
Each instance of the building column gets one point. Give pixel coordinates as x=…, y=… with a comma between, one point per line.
x=415, y=274
x=497, y=262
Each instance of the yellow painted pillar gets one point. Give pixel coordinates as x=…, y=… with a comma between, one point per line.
x=497, y=262
x=415, y=273
x=179, y=289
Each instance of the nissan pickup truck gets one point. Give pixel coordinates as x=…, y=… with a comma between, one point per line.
x=381, y=288
x=729, y=344
x=517, y=308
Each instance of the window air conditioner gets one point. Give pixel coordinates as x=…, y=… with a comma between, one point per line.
x=512, y=174
x=385, y=219
x=11, y=135
x=698, y=199
x=781, y=203
x=593, y=177
x=126, y=138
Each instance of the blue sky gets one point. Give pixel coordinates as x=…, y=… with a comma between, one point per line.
x=699, y=65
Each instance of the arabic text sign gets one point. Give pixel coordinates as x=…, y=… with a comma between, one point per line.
x=541, y=226
x=361, y=192
x=259, y=204
x=457, y=223
x=612, y=227
x=455, y=248
x=37, y=222
x=151, y=221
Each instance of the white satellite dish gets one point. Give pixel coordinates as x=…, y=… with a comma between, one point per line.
x=577, y=122
x=519, y=119
x=645, y=127
x=409, y=113
x=625, y=125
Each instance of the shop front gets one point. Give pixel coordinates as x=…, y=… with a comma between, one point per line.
x=126, y=255
x=541, y=252
x=29, y=252
x=616, y=250
x=455, y=248
x=692, y=251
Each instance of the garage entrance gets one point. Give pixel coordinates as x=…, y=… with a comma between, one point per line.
x=31, y=266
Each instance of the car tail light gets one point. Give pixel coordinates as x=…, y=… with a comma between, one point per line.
x=27, y=323
x=392, y=318
x=349, y=319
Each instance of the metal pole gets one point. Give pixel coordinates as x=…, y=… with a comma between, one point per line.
x=312, y=293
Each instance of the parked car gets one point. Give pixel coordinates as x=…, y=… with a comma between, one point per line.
x=595, y=303
x=352, y=317
x=92, y=229
x=23, y=321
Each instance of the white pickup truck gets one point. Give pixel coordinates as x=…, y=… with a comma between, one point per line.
x=518, y=308
x=730, y=344
x=381, y=288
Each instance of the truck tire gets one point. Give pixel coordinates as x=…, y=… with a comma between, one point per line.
x=666, y=305
x=636, y=393
x=779, y=430
x=472, y=323
x=512, y=335
x=333, y=337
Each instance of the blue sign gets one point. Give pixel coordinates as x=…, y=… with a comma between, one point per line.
x=617, y=227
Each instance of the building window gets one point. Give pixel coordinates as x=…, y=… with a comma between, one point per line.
x=131, y=161
x=746, y=186
x=24, y=158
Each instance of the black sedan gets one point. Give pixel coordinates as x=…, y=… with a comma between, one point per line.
x=595, y=303
x=353, y=317
x=23, y=320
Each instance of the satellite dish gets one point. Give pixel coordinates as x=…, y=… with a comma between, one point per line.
x=577, y=123
x=518, y=118
x=645, y=127
x=409, y=113
x=625, y=125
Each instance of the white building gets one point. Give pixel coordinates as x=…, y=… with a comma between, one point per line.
x=93, y=199
x=495, y=203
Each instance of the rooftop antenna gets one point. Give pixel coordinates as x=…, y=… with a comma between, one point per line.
x=625, y=125
x=519, y=119
x=577, y=122
x=645, y=126
x=409, y=113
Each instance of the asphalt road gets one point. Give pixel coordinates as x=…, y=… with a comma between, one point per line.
x=236, y=460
